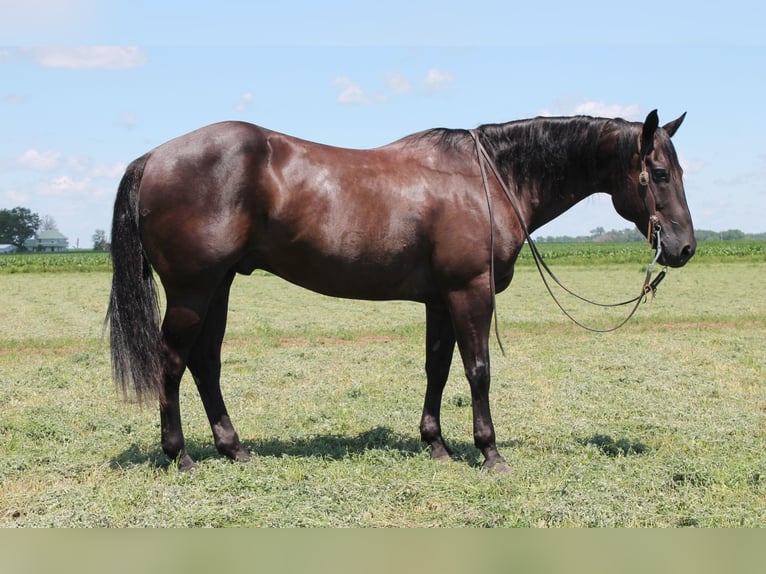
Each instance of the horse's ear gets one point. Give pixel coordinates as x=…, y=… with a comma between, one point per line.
x=651, y=124
x=672, y=127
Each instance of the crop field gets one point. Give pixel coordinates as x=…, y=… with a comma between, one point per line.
x=658, y=424
x=572, y=253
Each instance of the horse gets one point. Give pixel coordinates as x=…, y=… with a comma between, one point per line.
x=411, y=220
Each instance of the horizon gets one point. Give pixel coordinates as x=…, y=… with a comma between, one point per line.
x=592, y=237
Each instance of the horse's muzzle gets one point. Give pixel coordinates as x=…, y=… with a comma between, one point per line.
x=674, y=257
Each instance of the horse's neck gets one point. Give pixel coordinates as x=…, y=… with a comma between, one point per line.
x=546, y=198
x=542, y=201
x=545, y=205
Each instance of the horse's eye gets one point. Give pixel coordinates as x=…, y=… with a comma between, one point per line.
x=659, y=175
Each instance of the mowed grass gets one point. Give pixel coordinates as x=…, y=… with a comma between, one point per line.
x=658, y=424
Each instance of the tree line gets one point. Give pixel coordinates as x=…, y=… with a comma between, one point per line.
x=600, y=235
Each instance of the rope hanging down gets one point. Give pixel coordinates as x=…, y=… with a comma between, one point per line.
x=649, y=286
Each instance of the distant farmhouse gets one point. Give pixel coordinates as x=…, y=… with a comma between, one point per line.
x=48, y=241
x=7, y=248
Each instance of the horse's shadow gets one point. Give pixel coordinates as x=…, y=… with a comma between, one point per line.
x=339, y=447
x=613, y=448
x=326, y=446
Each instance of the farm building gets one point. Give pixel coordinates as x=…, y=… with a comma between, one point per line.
x=48, y=241
x=7, y=248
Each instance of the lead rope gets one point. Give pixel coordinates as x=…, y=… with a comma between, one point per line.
x=491, y=241
x=648, y=287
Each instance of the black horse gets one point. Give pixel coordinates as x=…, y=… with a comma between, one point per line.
x=408, y=220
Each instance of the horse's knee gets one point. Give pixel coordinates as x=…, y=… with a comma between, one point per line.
x=477, y=374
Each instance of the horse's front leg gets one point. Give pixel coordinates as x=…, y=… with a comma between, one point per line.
x=472, y=316
x=440, y=346
x=205, y=365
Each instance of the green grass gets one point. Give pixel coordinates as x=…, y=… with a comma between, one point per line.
x=659, y=424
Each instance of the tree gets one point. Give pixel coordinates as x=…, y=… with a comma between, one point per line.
x=47, y=223
x=595, y=233
x=99, y=241
x=17, y=225
x=732, y=234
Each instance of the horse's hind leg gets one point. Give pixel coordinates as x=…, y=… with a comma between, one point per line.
x=205, y=365
x=440, y=346
x=182, y=330
x=183, y=318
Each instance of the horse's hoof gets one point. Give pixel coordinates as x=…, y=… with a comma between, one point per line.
x=233, y=451
x=186, y=464
x=441, y=454
x=242, y=455
x=496, y=466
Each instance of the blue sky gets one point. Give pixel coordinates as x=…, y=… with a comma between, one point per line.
x=87, y=86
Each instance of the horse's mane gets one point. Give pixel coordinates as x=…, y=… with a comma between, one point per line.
x=544, y=148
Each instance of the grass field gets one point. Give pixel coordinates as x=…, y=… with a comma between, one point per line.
x=659, y=424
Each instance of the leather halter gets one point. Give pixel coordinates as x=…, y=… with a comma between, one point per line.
x=644, y=181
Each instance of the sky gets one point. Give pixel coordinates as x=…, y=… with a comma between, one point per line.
x=87, y=86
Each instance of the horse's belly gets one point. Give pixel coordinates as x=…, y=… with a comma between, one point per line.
x=372, y=276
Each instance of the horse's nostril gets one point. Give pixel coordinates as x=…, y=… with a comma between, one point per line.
x=687, y=252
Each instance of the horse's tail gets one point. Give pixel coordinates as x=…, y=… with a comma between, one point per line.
x=133, y=313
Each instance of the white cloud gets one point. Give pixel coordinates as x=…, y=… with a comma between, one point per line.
x=437, y=80
x=112, y=171
x=398, y=83
x=73, y=176
x=42, y=161
x=33, y=159
x=603, y=109
x=245, y=102
x=350, y=92
x=89, y=57
x=65, y=186
x=593, y=108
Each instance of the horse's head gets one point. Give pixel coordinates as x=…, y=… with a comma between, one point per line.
x=654, y=199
